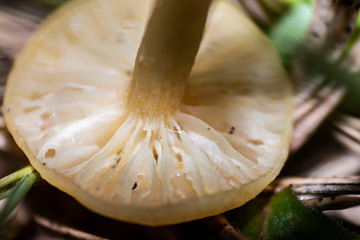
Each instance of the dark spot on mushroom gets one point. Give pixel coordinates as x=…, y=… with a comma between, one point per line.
x=134, y=186
x=118, y=160
x=348, y=29
x=156, y=156
x=320, y=199
x=232, y=130
x=50, y=153
x=332, y=198
x=44, y=163
x=208, y=129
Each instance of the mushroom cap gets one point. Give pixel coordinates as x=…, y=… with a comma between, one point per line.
x=65, y=105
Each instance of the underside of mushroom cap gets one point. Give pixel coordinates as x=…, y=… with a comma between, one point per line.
x=65, y=105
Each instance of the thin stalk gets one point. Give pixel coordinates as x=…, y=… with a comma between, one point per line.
x=333, y=203
x=221, y=225
x=166, y=56
x=65, y=230
x=321, y=186
x=13, y=177
x=17, y=194
x=6, y=193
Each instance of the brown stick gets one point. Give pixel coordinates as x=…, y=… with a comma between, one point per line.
x=310, y=115
x=64, y=230
x=224, y=229
x=318, y=185
x=332, y=203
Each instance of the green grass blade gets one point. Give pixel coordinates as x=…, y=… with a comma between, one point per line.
x=5, y=181
x=6, y=194
x=18, y=193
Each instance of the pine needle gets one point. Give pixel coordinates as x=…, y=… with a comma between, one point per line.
x=17, y=194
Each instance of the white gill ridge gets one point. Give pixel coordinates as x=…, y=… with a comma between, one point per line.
x=142, y=164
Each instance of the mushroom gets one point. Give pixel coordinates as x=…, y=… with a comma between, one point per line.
x=154, y=121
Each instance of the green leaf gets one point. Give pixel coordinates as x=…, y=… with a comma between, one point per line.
x=288, y=33
x=283, y=216
x=13, y=177
x=17, y=194
x=289, y=218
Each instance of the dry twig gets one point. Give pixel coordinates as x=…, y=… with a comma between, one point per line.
x=310, y=114
x=332, y=203
x=65, y=230
x=224, y=229
x=318, y=185
x=347, y=131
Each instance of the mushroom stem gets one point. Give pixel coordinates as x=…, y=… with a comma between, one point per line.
x=166, y=56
